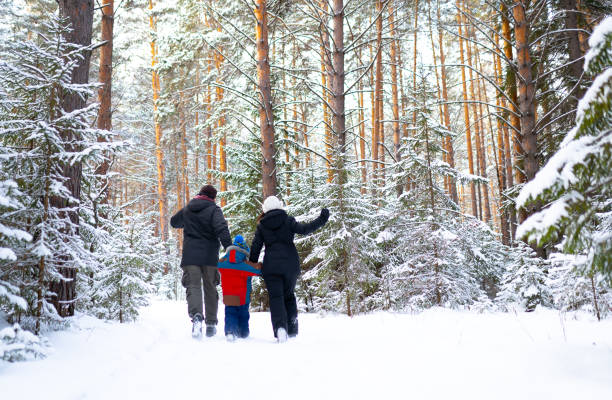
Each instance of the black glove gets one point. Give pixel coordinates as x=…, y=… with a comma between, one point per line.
x=325, y=214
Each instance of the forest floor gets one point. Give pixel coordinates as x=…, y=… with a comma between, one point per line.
x=437, y=354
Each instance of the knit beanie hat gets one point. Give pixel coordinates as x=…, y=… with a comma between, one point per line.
x=239, y=241
x=209, y=191
x=272, y=203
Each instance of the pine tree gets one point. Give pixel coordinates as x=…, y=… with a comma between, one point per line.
x=129, y=257
x=11, y=238
x=525, y=281
x=575, y=183
x=35, y=76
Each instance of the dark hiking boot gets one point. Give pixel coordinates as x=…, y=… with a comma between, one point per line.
x=196, y=330
x=292, y=328
x=211, y=330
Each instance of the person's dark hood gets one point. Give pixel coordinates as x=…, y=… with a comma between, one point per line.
x=274, y=219
x=197, y=205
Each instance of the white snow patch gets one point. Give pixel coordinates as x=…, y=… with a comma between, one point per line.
x=597, y=39
x=438, y=354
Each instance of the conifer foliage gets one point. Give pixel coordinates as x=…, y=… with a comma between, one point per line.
x=576, y=183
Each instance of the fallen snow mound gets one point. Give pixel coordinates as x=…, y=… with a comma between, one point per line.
x=438, y=354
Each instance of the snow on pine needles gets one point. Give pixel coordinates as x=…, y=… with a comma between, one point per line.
x=437, y=354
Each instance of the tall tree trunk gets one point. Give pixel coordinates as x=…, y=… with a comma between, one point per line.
x=526, y=89
x=394, y=92
x=266, y=117
x=159, y=152
x=480, y=136
x=184, y=160
x=466, y=115
x=104, y=120
x=362, y=138
x=515, y=120
x=414, y=60
x=339, y=118
x=507, y=137
x=326, y=72
x=209, y=140
x=196, y=130
x=378, y=95
x=448, y=142
x=221, y=128
x=80, y=16
x=179, y=187
x=574, y=50
x=501, y=156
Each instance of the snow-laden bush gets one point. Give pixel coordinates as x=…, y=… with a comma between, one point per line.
x=17, y=344
x=573, y=291
x=525, y=282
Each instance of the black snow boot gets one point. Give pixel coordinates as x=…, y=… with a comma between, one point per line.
x=211, y=330
x=292, y=328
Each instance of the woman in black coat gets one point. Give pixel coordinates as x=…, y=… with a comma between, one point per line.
x=281, y=263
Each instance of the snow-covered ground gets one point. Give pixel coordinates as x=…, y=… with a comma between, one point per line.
x=438, y=354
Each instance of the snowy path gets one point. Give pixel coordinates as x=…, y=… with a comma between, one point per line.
x=439, y=354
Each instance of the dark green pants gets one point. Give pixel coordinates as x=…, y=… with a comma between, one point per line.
x=193, y=278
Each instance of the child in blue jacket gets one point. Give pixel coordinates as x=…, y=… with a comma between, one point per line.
x=236, y=273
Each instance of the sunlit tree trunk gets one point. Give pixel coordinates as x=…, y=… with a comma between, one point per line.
x=378, y=97
x=448, y=142
x=159, y=152
x=502, y=169
x=526, y=98
x=184, y=160
x=324, y=46
x=414, y=59
x=394, y=91
x=518, y=177
x=466, y=115
x=266, y=117
x=104, y=120
x=196, y=130
x=221, y=128
x=479, y=133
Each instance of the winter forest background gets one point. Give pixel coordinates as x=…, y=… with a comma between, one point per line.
x=462, y=147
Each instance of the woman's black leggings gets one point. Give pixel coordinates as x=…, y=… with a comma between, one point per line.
x=283, y=305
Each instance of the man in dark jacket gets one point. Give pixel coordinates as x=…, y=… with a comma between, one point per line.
x=203, y=228
x=281, y=263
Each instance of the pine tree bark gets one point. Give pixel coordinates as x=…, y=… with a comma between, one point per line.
x=80, y=16
x=507, y=137
x=159, y=152
x=480, y=137
x=394, y=91
x=184, y=159
x=378, y=96
x=526, y=99
x=266, y=117
x=104, y=120
x=519, y=177
x=466, y=116
x=414, y=60
x=338, y=112
x=574, y=50
x=196, y=130
x=448, y=142
x=221, y=126
x=326, y=72
x=501, y=156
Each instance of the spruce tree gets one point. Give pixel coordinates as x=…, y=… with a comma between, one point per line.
x=575, y=185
